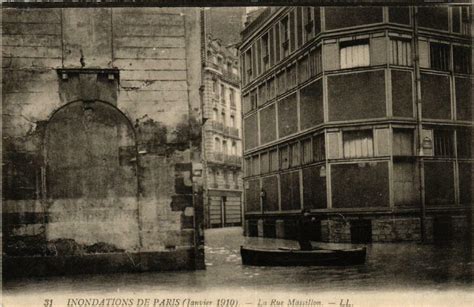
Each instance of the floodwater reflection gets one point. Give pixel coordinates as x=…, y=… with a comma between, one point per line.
x=389, y=266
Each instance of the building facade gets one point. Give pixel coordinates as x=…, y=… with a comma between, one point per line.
x=222, y=144
x=362, y=115
x=101, y=140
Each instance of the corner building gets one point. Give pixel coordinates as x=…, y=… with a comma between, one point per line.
x=362, y=115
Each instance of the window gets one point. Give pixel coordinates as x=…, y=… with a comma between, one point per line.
x=405, y=185
x=224, y=147
x=439, y=56
x=284, y=157
x=217, y=145
x=229, y=66
x=307, y=151
x=232, y=97
x=265, y=52
x=465, y=21
x=248, y=167
x=246, y=103
x=281, y=83
x=262, y=94
x=264, y=163
x=232, y=121
x=456, y=19
x=319, y=152
x=315, y=62
x=462, y=59
x=273, y=160
x=295, y=154
x=285, y=37
x=308, y=23
x=443, y=143
x=253, y=100
x=255, y=165
x=214, y=86
x=358, y=144
x=248, y=64
x=403, y=142
x=235, y=176
x=226, y=178
x=400, y=52
x=271, y=88
x=291, y=76
x=354, y=54
x=223, y=118
x=299, y=26
x=464, y=141
x=214, y=178
x=214, y=114
x=222, y=94
x=461, y=20
x=303, y=69
x=234, y=149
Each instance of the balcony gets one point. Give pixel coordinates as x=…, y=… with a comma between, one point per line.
x=224, y=159
x=217, y=126
x=233, y=160
x=215, y=157
x=231, y=77
x=231, y=132
x=213, y=66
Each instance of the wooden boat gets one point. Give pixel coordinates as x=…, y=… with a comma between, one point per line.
x=297, y=257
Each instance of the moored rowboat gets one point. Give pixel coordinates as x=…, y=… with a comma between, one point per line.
x=296, y=257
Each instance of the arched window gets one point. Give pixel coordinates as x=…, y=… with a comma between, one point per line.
x=217, y=144
x=224, y=147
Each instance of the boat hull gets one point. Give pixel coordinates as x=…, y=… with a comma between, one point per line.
x=320, y=257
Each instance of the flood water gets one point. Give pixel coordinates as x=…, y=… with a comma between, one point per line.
x=389, y=266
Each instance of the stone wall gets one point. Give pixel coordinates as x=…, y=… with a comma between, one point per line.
x=383, y=229
x=87, y=91
x=396, y=229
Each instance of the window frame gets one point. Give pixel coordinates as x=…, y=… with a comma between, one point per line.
x=440, y=64
x=370, y=149
x=350, y=46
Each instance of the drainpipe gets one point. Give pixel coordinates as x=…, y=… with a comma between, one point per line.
x=204, y=118
x=419, y=143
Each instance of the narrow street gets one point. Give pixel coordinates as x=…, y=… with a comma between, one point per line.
x=402, y=266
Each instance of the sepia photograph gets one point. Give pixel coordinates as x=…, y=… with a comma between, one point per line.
x=235, y=154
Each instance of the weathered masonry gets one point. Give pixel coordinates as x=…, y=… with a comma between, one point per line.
x=101, y=136
x=364, y=116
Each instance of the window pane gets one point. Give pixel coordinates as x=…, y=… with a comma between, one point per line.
x=439, y=56
x=307, y=151
x=402, y=142
x=355, y=55
x=273, y=160
x=358, y=144
x=284, y=157
x=295, y=154
x=443, y=143
x=405, y=185
x=264, y=163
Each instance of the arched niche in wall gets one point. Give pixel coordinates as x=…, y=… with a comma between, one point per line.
x=91, y=175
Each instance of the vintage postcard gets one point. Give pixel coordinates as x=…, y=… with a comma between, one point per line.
x=233, y=154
